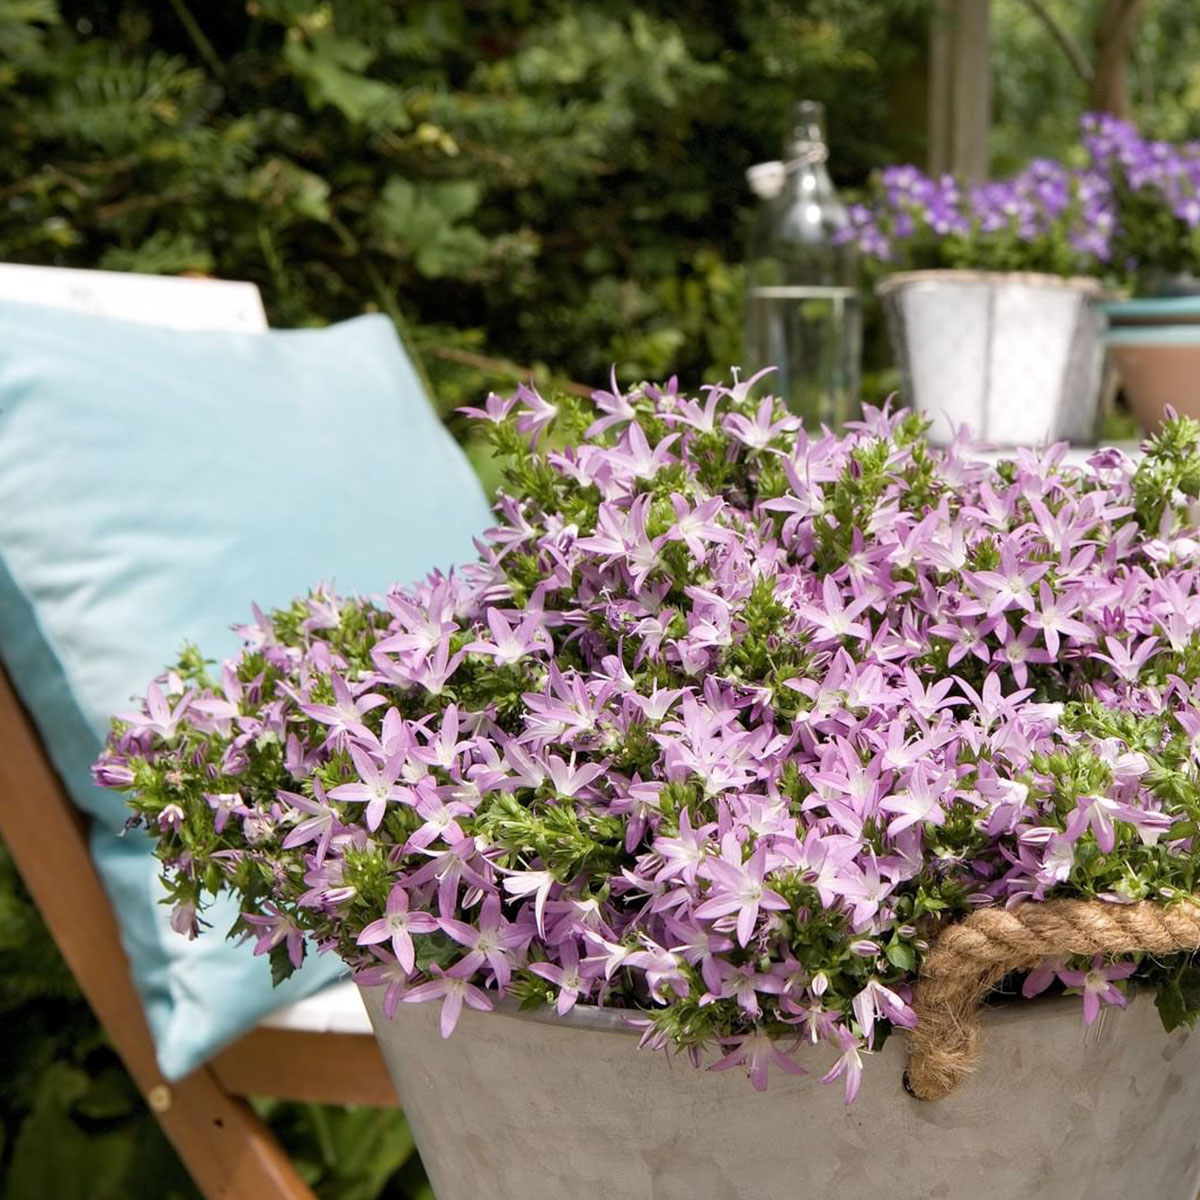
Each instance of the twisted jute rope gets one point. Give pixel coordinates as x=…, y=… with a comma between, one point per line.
x=970, y=957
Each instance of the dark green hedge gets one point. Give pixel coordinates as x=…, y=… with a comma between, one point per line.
x=554, y=184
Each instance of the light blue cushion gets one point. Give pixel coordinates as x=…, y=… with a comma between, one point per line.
x=153, y=483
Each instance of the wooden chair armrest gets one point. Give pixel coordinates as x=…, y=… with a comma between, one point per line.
x=324, y=1068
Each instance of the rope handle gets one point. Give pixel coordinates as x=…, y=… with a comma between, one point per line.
x=970, y=957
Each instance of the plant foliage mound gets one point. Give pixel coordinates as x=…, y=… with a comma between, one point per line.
x=724, y=723
x=1157, y=190
x=1130, y=212
x=1049, y=217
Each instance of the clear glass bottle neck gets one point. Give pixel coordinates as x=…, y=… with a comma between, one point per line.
x=808, y=179
x=806, y=143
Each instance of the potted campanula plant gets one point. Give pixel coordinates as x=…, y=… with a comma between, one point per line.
x=1155, y=336
x=753, y=749
x=989, y=291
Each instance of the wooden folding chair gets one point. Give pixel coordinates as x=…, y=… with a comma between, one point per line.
x=318, y=1050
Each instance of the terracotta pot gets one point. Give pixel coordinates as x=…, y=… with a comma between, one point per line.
x=1159, y=365
x=1017, y=357
x=1155, y=344
x=526, y=1106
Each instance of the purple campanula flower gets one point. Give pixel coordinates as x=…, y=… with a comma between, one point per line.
x=397, y=926
x=275, y=928
x=377, y=785
x=454, y=989
x=1099, y=985
x=757, y=1053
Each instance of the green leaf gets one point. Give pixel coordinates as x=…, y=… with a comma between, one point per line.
x=22, y=32
x=369, y=1146
x=110, y=1095
x=289, y=191
x=119, y=104
x=421, y=220
x=901, y=956
x=332, y=70
x=1178, y=999
x=52, y=1156
x=281, y=964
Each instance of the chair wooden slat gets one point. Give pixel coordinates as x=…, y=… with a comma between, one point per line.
x=226, y=1148
x=291, y=1064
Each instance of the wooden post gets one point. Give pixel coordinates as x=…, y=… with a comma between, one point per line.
x=960, y=88
x=1113, y=38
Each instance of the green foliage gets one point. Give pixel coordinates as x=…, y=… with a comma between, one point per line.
x=73, y=1126
x=1153, y=236
x=349, y=1153
x=556, y=185
x=1178, y=998
x=87, y=1134
x=71, y=1121
x=1169, y=476
x=1039, y=97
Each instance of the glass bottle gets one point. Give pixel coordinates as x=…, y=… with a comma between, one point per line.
x=804, y=313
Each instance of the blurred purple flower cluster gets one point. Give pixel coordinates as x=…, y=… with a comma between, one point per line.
x=1134, y=204
x=1047, y=218
x=724, y=722
x=1170, y=171
x=1157, y=190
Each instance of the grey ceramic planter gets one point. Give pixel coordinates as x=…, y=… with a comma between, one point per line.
x=514, y=1108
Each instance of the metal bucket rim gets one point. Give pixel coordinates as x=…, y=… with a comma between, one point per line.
x=1085, y=284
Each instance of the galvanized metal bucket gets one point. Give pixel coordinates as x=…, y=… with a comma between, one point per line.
x=1018, y=357
x=524, y=1107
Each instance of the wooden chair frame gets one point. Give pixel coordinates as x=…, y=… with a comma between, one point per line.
x=229, y=1152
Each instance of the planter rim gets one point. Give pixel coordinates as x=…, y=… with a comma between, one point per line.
x=693, y=1133
x=1092, y=288
x=590, y=1018
x=1146, y=308
x=1179, y=337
